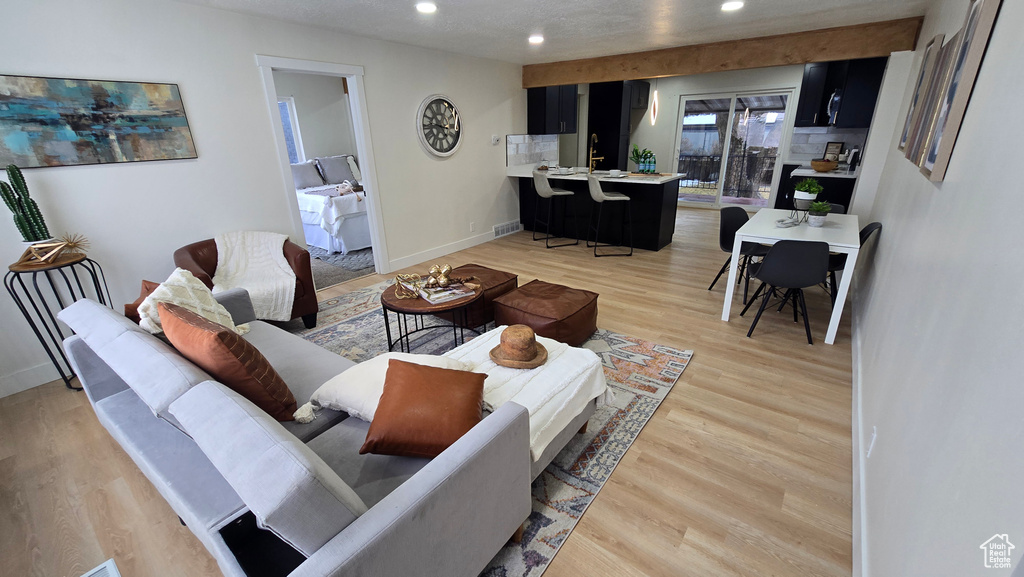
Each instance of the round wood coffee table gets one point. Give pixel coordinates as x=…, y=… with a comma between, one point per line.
x=420, y=308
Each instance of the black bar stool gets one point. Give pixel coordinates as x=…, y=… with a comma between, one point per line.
x=544, y=190
x=601, y=197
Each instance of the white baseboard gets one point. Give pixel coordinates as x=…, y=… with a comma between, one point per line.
x=414, y=259
x=859, y=537
x=26, y=379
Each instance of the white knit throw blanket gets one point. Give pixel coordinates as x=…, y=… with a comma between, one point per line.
x=255, y=261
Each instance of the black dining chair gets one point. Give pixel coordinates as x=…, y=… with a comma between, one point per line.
x=837, y=209
x=792, y=265
x=837, y=261
x=732, y=218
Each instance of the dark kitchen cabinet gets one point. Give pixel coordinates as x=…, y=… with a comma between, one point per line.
x=863, y=81
x=835, y=190
x=853, y=84
x=812, y=91
x=640, y=93
x=551, y=110
x=612, y=105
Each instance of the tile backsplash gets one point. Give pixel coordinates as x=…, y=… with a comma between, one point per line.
x=523, y=149
x=808, y=143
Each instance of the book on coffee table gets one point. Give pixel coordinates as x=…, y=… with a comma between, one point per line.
x=437, y=295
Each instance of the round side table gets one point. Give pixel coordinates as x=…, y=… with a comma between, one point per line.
x=419, y=308
x=42, y=290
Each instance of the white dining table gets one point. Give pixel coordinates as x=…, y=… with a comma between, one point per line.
x=841, y=232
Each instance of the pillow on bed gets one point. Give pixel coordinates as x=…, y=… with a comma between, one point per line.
x=305, y=175
x=354, y=166
x=336, y=169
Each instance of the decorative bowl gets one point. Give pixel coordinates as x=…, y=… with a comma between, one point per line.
x=824, y=165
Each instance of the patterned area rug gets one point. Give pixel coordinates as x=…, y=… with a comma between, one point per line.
x=331, y=269
x=355, y=260
x=640, y=372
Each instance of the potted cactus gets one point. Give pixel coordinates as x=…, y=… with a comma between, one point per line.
x=27, y=217
x=817, y=212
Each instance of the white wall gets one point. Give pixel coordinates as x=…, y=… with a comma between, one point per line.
x=661, y=138
x=322, y=108
x=889, y=112
x=137, y=214
x=938, y=326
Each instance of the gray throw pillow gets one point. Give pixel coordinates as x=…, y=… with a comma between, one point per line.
x=305, y=175
x=336, y=169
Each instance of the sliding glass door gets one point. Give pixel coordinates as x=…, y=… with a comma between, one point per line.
x=729, y=147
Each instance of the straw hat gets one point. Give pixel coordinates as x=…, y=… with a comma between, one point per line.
x=519, y=349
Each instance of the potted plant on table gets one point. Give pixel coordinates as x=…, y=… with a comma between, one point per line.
x=817, y=212
x=805, y=192
x=27, y=217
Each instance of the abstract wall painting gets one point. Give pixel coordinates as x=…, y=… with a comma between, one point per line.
x=912, y=124
x=65, y=122
x=943, y=90
x=964, y=64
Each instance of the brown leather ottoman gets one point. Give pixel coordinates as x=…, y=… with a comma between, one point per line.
x=494, y=284
x=558, y=312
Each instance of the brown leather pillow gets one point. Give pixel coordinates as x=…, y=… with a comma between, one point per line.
x=229, y=358
x=131, y=310
x=423, y=410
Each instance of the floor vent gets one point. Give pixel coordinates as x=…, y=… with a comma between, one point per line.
x=506, y=228
x=107, y=569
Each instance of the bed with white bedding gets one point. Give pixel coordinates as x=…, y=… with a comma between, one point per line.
x=334, y=223
x=333, y=220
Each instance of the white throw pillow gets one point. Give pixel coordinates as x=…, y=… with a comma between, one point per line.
x=357, y=390
x=182, y=288
x=355, y=167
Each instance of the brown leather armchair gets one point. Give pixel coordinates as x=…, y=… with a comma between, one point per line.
x=200, y=259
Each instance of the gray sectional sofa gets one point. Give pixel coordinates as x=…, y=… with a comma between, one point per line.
x=267, y=498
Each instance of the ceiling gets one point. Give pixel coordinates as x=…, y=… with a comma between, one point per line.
x=572, y=29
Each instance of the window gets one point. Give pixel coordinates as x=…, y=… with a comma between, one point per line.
x=290, y=122
x=742, y=172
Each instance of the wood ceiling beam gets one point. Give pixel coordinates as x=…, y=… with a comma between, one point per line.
x=843, y=43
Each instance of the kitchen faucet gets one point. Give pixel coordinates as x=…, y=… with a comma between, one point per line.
x=593, y=159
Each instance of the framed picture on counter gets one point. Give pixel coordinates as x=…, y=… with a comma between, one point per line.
x=964, y=62
x=833, y=150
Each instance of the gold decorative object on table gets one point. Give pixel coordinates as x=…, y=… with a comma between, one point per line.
x=76, y=243
x=47, y=252
x=405, y=286
x=439, y=276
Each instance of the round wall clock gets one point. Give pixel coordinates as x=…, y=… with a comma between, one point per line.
x=439, y=125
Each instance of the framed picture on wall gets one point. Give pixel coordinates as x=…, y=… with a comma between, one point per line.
x=964, y=63
x=931, y=52
x=921, y=130
x=67, y=121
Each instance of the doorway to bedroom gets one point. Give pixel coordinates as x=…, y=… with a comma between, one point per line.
x=318, y=134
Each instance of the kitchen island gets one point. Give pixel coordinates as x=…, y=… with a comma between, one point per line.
x=652, y=198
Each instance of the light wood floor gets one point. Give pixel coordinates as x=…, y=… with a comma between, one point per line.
x=743, y=470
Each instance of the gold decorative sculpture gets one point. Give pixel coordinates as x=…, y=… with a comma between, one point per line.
x=406, y=286
x=439, y=276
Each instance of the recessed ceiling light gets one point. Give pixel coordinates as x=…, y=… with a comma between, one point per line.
x=536, y=39
x=733, y=5
x=430, y=7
